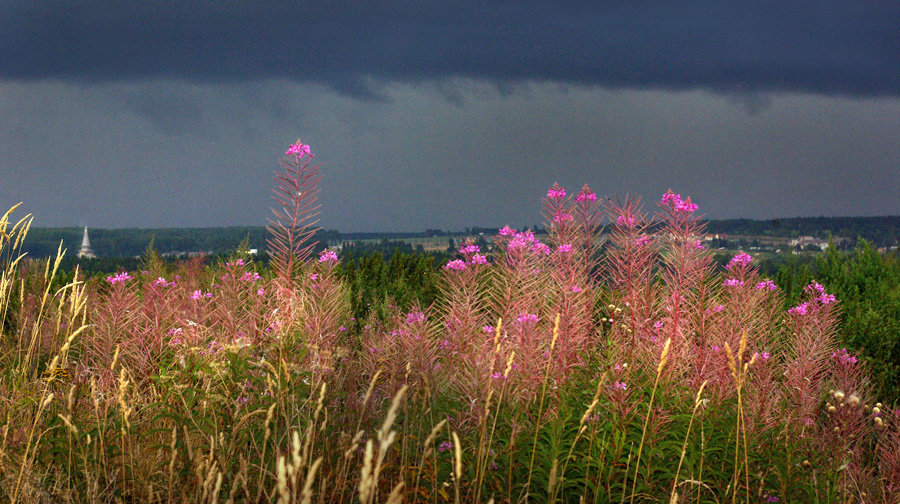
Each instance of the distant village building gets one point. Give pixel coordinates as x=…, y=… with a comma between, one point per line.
x=86, y=250
x=805, y=241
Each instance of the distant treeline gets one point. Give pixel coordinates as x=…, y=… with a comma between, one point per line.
x=881, y=231
x=43, y=242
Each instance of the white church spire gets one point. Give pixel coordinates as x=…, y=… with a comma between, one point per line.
x=86, y=250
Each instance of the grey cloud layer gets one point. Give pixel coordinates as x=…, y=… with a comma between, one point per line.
x=827, y=46
x=448, y=155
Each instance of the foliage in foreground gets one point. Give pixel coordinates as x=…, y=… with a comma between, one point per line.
x=530, y=379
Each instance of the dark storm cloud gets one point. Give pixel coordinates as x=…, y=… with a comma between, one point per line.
x=826, y=46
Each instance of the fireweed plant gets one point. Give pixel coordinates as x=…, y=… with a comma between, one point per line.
x=554, y=367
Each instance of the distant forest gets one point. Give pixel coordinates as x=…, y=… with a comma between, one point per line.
x=43, y=242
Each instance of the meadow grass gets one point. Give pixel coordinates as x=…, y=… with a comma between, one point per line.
x=569, y=370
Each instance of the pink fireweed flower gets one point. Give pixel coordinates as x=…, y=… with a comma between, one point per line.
x=299, y=149
x=766, y=285
x=119, y=278
x=657, y=325
x=741, y=259
x=261, y=292
x=562, y=218
x=455, y=265
x=733, y=282
x=470, y=249
x=698, y=245
x=671, y=198
x=507, y=231
x=198, y=294
x=686, y=206
x=328, y=256
x=478, y=259
x=762, y=356
x=642, y=240
x=314, y=277
x=800, y=309
x=415, y=317
x=827, y=298
x=497, y=376
x=844, y=357
x=521, y=240
x=565, y=248
x=162, y=282
x=238, y=262
x=619, y=385
x=718, y=308
x=488, y=329
x=585, y=196
x=540, y=248
x=250, y=276
x=626, y=221
x=556, y=193
x=815, y=287
x=446, y=445
x=574, y=288
x=527, y=317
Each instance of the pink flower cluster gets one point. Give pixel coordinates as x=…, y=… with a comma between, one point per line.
x=733, y=282
x=741, y=259
x=800, y=309
x=250, y=276
x=627, y=221
x=471, y=255
x=642, y=240
x=455, y=265
x=562, y=218
x=469, y=249
x=818, y=290
x=620, y=385
x=526, y=240
x=415, y=317
x=527, y=317
x=328, y=256
x=540, y=248
x=299, y=149
x=843, y=357
x=119, y=278
x=507, y=231
x=766, y=285
x=556, y=193
x=815, y=288
x=161, y=282
x=682, y=206
x=762, y=356
x=585, y=195
x=198, y=294
x=565, y=248
x=479, y=259
x=237, y=262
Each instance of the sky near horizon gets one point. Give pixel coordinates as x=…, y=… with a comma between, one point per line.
x=430, y=114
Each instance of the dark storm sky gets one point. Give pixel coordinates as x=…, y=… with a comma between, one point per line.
x=446, y=114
